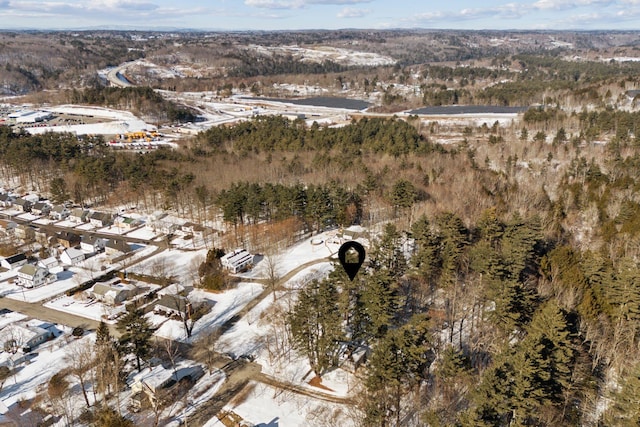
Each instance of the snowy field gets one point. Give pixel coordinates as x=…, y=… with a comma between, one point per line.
x=225, y=305
x=316, y=248
x=320, y=54
x=182, y=265
x=90, y=309
x=266, y=406
x=118, y=122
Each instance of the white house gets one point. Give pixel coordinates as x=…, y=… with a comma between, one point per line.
x=90, y=243
x=127, y=223
x=71, y=256
x=21, y=335
x=79, y=215
x=40, y=208
x=59, y=212
x=52, y=264
x=32, y=276
x=237, y=261
x=13, y=262
x=113, y=292
x=22, y=204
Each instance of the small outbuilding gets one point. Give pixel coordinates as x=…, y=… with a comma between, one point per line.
x=13, y=262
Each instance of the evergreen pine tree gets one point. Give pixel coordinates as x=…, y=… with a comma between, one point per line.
x=316, y=325
x=135, y=335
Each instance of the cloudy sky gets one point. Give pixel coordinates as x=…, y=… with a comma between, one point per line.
x=317, y=14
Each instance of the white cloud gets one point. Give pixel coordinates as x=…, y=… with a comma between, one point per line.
x=350, y=12
x=297, y=4
x=274, y=4
x=569, y=4
x=122, y=5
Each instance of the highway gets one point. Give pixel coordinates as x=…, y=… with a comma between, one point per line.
x=113, y=75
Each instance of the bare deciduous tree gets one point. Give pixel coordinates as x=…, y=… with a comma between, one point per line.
x=80, y=359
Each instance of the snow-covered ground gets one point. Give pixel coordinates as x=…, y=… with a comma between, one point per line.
x=266, y=406
x=259, y=331
x=49, y=359
x=315, y=248
x=116, y=122
x=199, y=394
x=180, y=264
x=74, y=276
x=225, y=305
x=320, y=54
x=94, y=310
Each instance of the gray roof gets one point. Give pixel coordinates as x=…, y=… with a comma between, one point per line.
x=118, y=245
x=102, y=216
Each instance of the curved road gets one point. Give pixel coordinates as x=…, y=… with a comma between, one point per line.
x=113, y=75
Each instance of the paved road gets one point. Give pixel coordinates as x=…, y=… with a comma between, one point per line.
x=38, y=311
x=112, y=75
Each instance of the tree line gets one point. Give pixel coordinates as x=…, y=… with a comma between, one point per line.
x=276, y=133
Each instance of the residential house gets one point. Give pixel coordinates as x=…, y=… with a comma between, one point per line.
x=6, y=200
x=71, y=256
x=13, y=262
x=24, y=336
x=33, y=276
x=40, y=208
x=22, y=204
x=237, y=261
x=67, y=239
x=197, y=230
x=79, y=215
x=172, y=306
x=113, y=292
x=117, y=247
x=52, y=264
x=101, y=219
x=91, y=243
x=59, y=212
x=127, y=223
x=31, y=198
x=150, y=381
x=25, y=232
x=7, y=226
x=164, y=223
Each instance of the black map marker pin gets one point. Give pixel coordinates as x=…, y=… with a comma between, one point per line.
x=348, y=259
